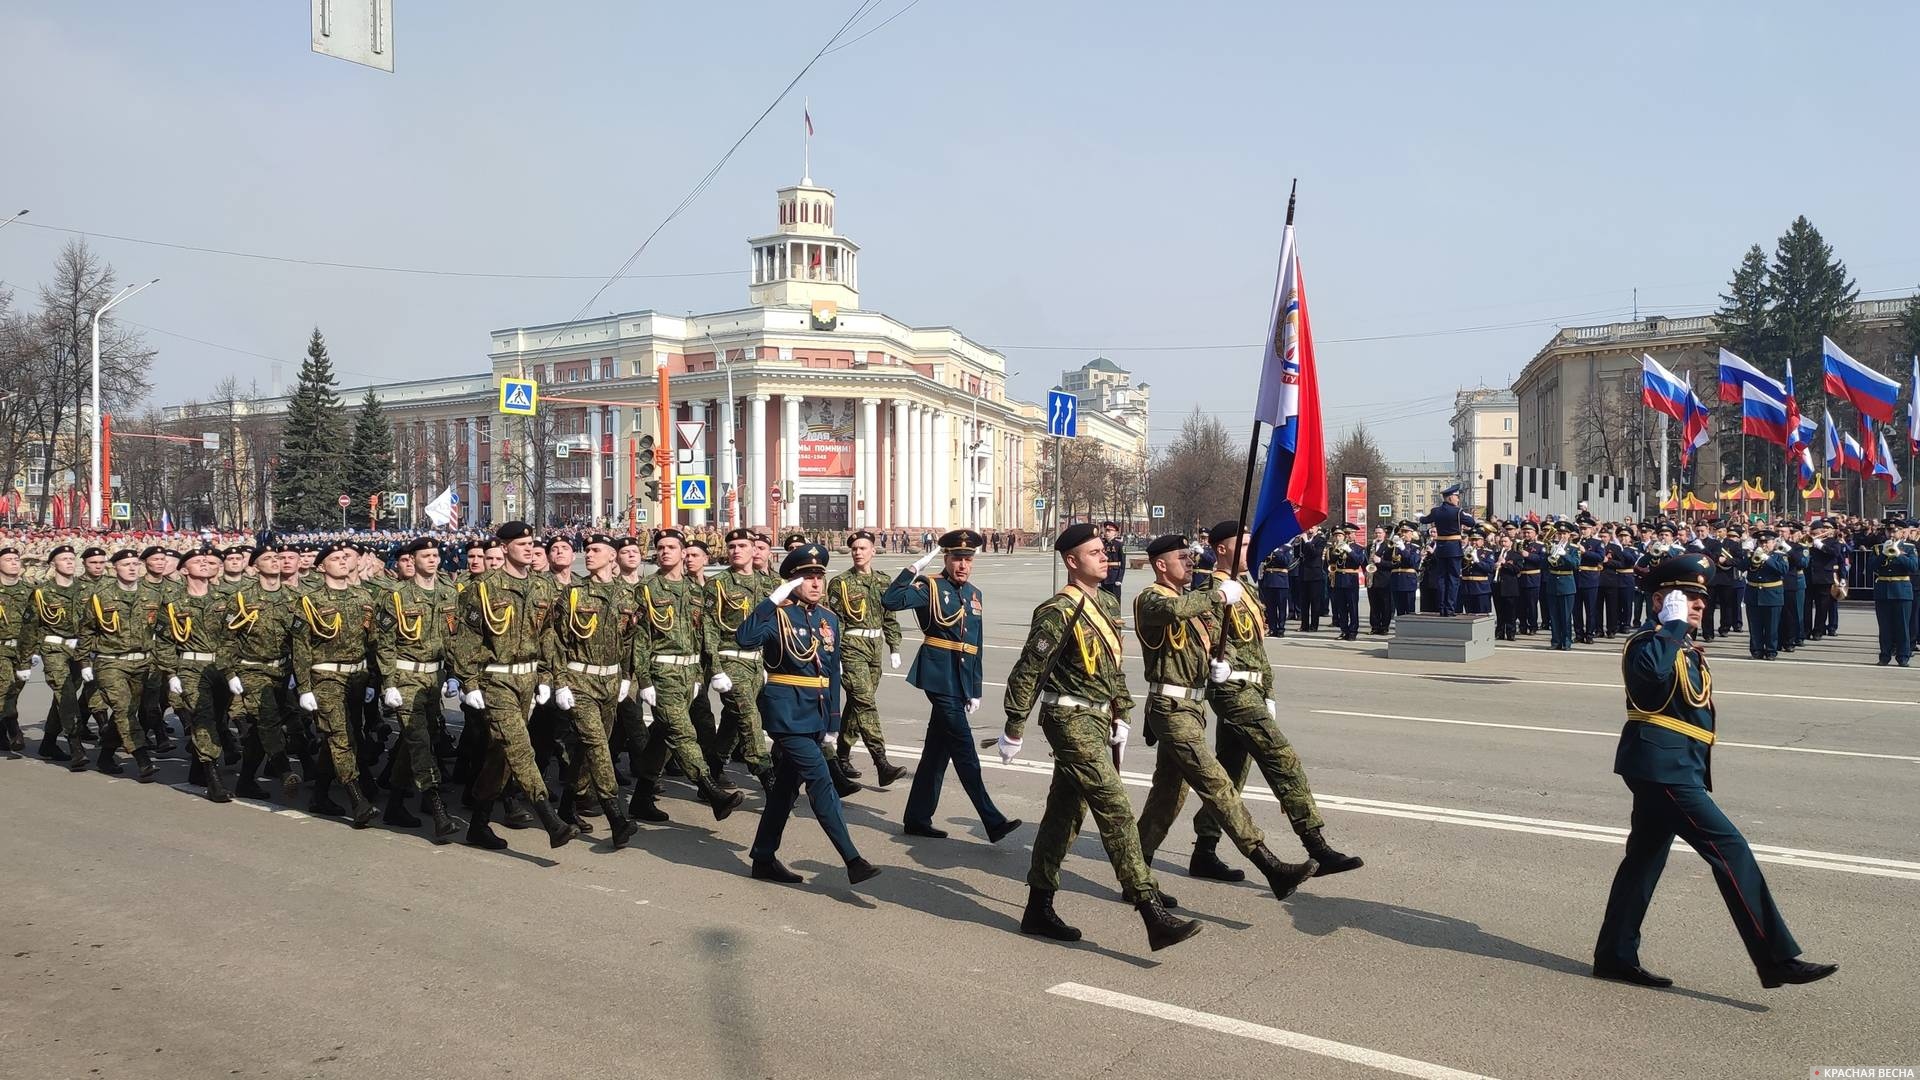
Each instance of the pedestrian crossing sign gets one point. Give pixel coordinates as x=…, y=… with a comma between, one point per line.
x=693, y=492
x=519, y=397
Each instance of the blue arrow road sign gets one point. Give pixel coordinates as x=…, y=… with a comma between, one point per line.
x=1063, y=414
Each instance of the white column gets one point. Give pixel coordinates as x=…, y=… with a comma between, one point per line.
x=897, y=466
x=790, y=455
x=755, y=512
x=617, y=487
x=923, y=466
x=916, y=463
x=470, y=498
x=989, y=487
x=868, y=448
x=594, y=460
x=698, y=414
x=944, y=512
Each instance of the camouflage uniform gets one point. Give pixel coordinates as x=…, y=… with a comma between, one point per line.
x=16, y=647
x=190, y=644
x=412, y=628
x=1176, y=632
x=584, y=650
x=728, y=597
x=259, y=624
x=55, y=623
x=496, y=650
x=854, y=595
x=332, y=638
x=116, y=640
x=666, y=657
x=1085, y=693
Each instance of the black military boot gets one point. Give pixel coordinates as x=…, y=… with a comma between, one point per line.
x=1206, y=862
x=247, y=786
x=362, y=811
x=435, y=807
x=884, y=771
x=1164, y=929
x=642, y=807
x=479, y=833
x=216, y=784
x=196, y=773
x=109, y=762
x=78, y=762
x=397, y=813
x=148, y=770
x=717, y=775
x=845, y=757
x=1331, y=861
x=570, y=811
x=841, y=782
x=723, y=802
x=321, y=803
x=620, y=827
x=1283, y=878
x=559, y=833
x=1041, y=920
x=50, y=744
x=289, y=780
x=514, y=813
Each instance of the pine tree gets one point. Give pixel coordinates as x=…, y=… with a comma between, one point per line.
x=1909, y=342
x=1812, y=294
x=369, y=468
x=1744, y=316
x=310, y=475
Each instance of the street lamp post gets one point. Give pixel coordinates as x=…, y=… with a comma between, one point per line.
x=99, y=482
x=17, y=215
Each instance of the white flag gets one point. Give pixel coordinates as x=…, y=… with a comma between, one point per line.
x=444, y=509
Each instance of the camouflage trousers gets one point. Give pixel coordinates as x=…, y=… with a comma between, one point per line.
x=63, y=679
x=257, y=707
x=13, y=659
x=197, y=707
x=121, y=682
x=860, y=679
x=340, y=695
x=1182, y=760
x=1249, y=736
x=596, y=708
x=414, y=765
x=739, y=727
x=509, y=699
x=1084, y=779
x=672, y=724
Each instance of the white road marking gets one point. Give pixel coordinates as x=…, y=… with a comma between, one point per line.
x=1608, y=734
x=1613, y=686
x=1292, y=1040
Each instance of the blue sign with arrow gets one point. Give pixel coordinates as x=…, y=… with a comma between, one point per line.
x=1063, y=414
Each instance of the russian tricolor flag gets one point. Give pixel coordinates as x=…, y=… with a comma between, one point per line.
x=1660, y=391
x=1694, y=424
x=1293, y=489
x=1852, y=458
x=1872, y=393
x=1736, y=373
x=1913, y=410
x=1831, y=447
x=1806, y=467
x=1883, y=466
x=1761, y=415
x=1795, y=422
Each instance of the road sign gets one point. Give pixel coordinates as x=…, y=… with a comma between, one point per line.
x=1386, y=511
x=693, y=492
x=1159, y=511
x=1063, y=414
x=562, y=450
x=344, y=501
x=1039, y=504
x=209, y=440
x=398, y=500
x=519, y=397
x=686, y=457
x=122, y=511
x=691, y=431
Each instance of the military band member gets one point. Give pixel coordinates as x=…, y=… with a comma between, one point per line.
x=869, y=632
x=1071, y=666
x=190, y=654
x=1665, y=757
x=1346, y=561
x=414, y=621
x=1766, y=569
x=1276, y=586
x=947, y=669
x=736, y=673
x=1559, y=589
x=1476, y=576
x=1794, y=587
x=332, y=638
x=116, y=650
x=1893, y=568
x=259, y=616
x=1311, y=558
x=800, y=640
x=1508, y=569
x=1176, y=629
x=586, y=652
x=53, y=625
x=1533, y=571
x=1449, y=527
x=1406, y=568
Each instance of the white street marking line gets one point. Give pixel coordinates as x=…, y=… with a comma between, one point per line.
x=1614, y=686
x=1868, y=865
x=1292, y=1040
x=1608, y=734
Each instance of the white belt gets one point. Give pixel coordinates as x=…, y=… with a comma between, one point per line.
x=1177, y=693
x=197, y=657
x=1245, y=677
x=527, y=667
x=10, y=642
x=867, y=633
x=354, y=668
x=55, y=639
x=121, y=656
x=1048, y=697
x=677, y=661
x=737, y=654
x=416, y=667
x=593, y=669
x=276, y=665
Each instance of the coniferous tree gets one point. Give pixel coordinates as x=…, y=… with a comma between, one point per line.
x=1910, y=327
x=369, y=468
x=1744, y=317
x=310, y=476
x=1812, y=294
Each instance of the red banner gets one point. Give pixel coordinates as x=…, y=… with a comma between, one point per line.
x=106, y=460
x=825, y=457
x=1356, y=502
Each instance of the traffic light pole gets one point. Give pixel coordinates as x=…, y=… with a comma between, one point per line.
x=663, y=451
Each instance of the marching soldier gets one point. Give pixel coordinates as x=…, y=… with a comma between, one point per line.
x=736, y=672
x=800, y=640
x=259, y=617
x=1071, y=665
x=1249, y=729
x=1176, y=629
x=189, y=655
x=116, y=647
x=415, y=620
x=867, y=629
x=55, y=623
x=585, y=652
x=947, y=669
x=1665, y=757
x=16, y=647
x=332, y=639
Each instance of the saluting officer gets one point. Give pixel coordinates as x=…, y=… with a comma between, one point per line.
x=868, y=630
x=1665, y=757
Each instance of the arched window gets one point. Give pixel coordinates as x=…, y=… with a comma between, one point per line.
x=829, y=215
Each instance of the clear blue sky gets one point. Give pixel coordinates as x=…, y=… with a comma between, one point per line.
x=1089, y=175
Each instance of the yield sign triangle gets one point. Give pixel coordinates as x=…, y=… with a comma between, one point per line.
x=691, y=431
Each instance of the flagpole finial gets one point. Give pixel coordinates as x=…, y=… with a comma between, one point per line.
x=1293, y=193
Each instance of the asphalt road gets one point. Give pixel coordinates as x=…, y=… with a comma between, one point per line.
x=146, y=932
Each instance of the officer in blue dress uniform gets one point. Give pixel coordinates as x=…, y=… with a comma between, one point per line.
x=1893, y=568
x=1275, y=587
x=1766, y=594
x=947, y=669
x=1793, y=587
x=1476, y=576
x=1406, y=569
x=1563, y=562
x=1346, y=561
x=1586, y=603
x=1448, y=521
x=799, y=640
x=1665, y=757
x=1533, y=567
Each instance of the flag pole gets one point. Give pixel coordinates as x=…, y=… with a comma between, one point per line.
x=1253, y=452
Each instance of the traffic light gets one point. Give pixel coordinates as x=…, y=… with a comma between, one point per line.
x=653, y=491
x=645, y=469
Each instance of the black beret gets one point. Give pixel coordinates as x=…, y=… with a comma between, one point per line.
x=1163, y=544
x=740, y=534
x=802, y=559
x=10, y=551
x=1688, y=573
x=560, y=538
x=417, y=545
x=63, y=549
x=1225, y=531
x=702, y=545
x=1070, y=537
x=477, y=542
x=512, y=530
x=669, y=533
x=968, y=542
x=206, y=550
x=859, y=534
x=625, y=542
x=332, y=546
x=236, y=549
x=763, y=538
x=253, y=555
x=124, y=553
x=793, y=539
x=601, y=538
x=93, y=553
x=152, y=550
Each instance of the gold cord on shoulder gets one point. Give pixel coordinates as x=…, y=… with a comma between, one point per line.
x=580, y=630
x=244, y=616
x=318, y=622
x=182, y=629
x=100, y=617
x=498, y=621
x=408, y=631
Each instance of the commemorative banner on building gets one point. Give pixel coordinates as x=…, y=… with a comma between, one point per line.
x=826, y=437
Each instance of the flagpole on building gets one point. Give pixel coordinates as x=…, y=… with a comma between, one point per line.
x=1663, y=459
x=1253, y=446
x=806, y=153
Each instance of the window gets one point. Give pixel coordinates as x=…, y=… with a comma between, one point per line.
x=1507, y=423
x=1507, y=449
x=486, y=472
x=573, y=375
x=606, y=467
x=606, y=367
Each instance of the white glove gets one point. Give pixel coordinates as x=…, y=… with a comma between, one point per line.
x=1008, y=748
x=1559, y=550
x=1746, y=545
x=647, y=695
x=450, y=688
x=86, y=674
x=542, y=694
x=1674, y=607
x=893, y=658
x=173, y=684
x=1219, y=671
x=698, y=686
x=474, y=700
x=236, y=686
x=1272, y=713
x=926, y=560
x=1231, y=591
x=35, y=662
x=779, y=595
x=391, y=697
x=830, y=741
x=369, y=694
x=563, y=697
x=722, y=683
x=23, y=676
x=1118, y=736
x=626, y=690
x=972, y=704
x=309, y=703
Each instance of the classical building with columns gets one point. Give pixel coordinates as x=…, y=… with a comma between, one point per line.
x=801, y=409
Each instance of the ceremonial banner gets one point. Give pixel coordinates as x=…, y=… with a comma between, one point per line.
x=826, y=437
x=1293, y=490
x=1356, y=499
